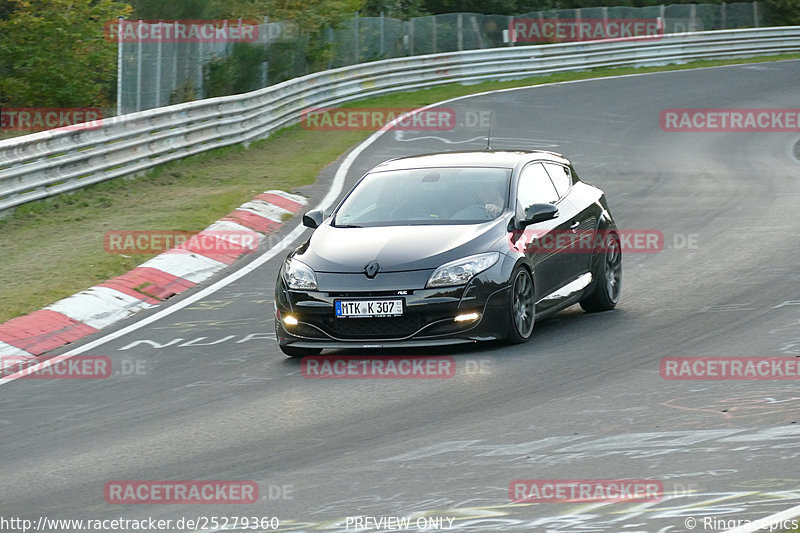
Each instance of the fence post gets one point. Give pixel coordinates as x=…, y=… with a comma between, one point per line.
x=200, y=80
x=329, y=31
x=755, y=14
x=158, y=67
x=175, y=83
x=265, y=63
x=411, y=37
x=355, y=38
x=139, y=74
x=460, y=24
x=435, y=33
x=693, y=17
x=119, y=65
x=723, y=16
x=383, y=32
x=477, y=30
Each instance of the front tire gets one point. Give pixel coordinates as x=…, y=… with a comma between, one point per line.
x=521, y=307
x=608, y=284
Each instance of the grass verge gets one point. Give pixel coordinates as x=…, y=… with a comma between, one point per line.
x=53, y=248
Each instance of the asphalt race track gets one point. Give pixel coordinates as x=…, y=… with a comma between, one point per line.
x=204, y=393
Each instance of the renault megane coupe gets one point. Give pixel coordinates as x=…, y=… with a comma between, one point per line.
x=449, y=248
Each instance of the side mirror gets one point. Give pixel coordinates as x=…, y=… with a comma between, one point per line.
x=538, y=213
x=313, y=219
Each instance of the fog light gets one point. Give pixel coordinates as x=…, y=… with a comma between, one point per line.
x=466, y=317
x=289, y=320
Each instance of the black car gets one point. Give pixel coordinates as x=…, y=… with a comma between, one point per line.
x=449, y=248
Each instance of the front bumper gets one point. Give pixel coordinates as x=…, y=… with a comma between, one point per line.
x=428, y=318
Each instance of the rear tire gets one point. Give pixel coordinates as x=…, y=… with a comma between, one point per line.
x=608, y=280
x=521, y=307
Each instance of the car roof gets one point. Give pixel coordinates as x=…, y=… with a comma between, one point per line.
x=471, y=158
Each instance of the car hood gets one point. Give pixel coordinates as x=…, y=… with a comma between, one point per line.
x=396, y=248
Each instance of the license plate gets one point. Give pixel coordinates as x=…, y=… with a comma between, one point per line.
x=368, y=308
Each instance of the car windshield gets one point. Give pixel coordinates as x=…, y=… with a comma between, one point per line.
x=426, y=196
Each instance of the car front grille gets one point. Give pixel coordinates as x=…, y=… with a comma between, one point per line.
x=373, y=328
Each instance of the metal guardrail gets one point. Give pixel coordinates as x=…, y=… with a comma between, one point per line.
x=51, y=162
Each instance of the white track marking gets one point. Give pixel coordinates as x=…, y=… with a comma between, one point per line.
x=7, y=350
x=265, y=210
x=99, y=307
x=189, y=266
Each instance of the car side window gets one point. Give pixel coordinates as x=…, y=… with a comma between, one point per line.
x=535, y=187
x=561, y=177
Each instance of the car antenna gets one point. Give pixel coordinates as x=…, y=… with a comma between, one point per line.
x=489, y=138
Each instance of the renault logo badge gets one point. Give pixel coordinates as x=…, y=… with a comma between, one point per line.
x=371, y=270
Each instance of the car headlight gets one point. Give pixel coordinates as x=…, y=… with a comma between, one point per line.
x=461, y=271
x=299, y=275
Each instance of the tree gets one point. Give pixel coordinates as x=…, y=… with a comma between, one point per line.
x=6, y=8
x=400, y=9
x=493, y=7
x=190, y=9
x=311, y=18
x=237, y=73
x=783, y=12
x=53, y=53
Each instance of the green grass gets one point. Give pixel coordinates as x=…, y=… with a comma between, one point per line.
x=53, y=248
